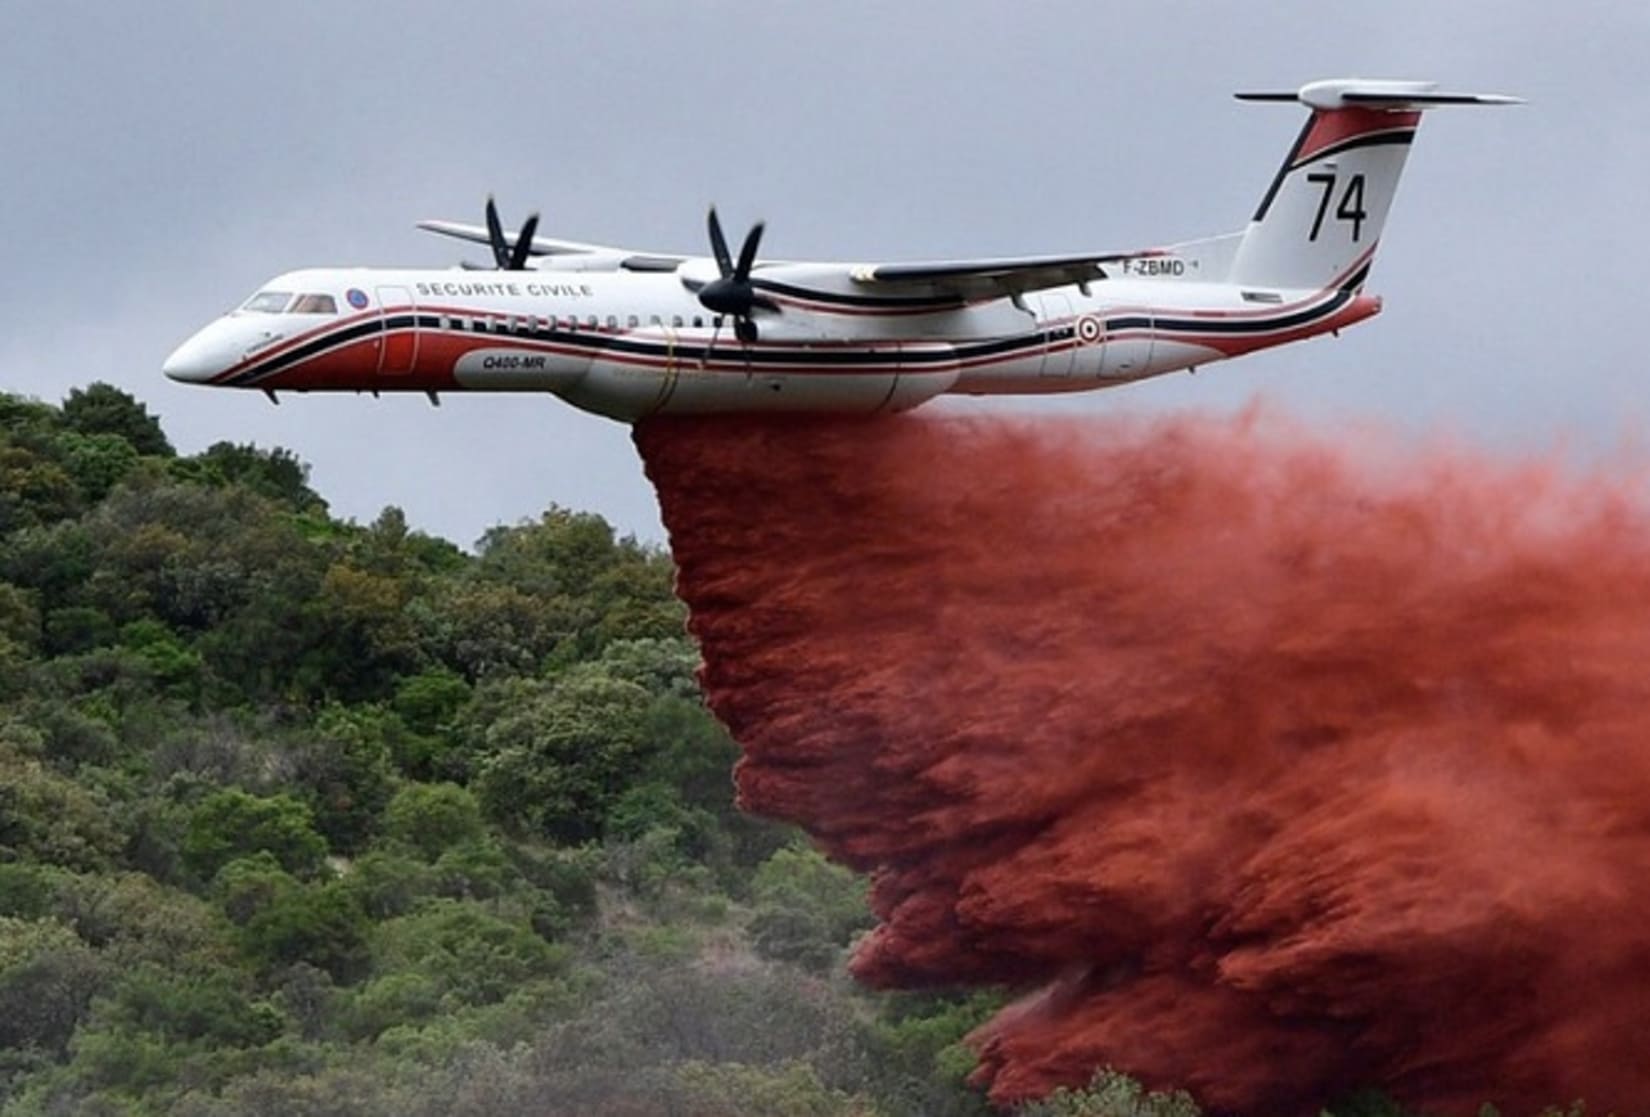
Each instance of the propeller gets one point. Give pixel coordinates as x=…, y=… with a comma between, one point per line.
x=508, y=257
x=733, y=293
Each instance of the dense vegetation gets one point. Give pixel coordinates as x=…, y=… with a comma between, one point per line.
x=299, y=816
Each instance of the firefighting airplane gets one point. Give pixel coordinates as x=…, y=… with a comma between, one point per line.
x=629, y=334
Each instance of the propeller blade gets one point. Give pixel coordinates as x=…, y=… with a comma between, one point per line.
x=719, y=245
x=732, y=293
x=524, y=243
x=747, y=253
x=495, y=235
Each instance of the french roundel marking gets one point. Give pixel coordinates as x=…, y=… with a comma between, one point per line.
x=1089, y=329
x=357, y=298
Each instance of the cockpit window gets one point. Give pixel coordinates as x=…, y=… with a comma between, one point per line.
x=268, y=302
x=314, y=304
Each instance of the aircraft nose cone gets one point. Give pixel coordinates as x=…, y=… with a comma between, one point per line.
x=194, y=362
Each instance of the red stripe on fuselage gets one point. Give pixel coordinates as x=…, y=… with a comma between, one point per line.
x=354, y=366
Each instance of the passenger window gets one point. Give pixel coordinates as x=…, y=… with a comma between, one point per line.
x=612, y=321
x=590, y=322
x=698, y=321
x=676, y=320
x=634, y=321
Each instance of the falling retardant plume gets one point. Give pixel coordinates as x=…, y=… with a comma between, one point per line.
x=1263, y=763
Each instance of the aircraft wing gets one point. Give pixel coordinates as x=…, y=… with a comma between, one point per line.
x=995, y=278
x=552, y=246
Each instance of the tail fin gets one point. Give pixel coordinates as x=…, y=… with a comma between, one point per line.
x=1320, y=221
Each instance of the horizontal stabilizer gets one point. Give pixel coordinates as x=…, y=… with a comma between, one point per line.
x=1344, y=93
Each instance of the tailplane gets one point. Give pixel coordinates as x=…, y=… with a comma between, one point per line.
x=1319, y=223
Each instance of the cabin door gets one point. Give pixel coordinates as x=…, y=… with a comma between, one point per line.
x=1059, y=349
x=398, y=341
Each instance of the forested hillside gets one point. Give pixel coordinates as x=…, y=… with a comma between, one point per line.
x=301, y=816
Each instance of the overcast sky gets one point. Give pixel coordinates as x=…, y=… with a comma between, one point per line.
x=158, y=161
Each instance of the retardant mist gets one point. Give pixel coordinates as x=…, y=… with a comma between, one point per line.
x=1268, y=768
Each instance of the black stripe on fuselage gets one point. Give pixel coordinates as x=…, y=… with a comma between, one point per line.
x=836, y=356
x=315, y=347
x=1230, y=327
x=597, y=345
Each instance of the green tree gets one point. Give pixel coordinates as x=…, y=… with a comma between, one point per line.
x=27, y=890
x=248, y=885
x=428, y=704
x=345, y=773
x=28, y=419
x=1110, y=1094
x=48, y=818
x=484, y=631
x=104, y=409
x=133, y=919
x=557, y=756
x=97, y=462
x=276, y=473
x=603, y=588
x=665, y=667
x=389, y=547
x=231, y=823
x=321, y=924
x=77, y=628
x=473, y=956
x=428, y=701
x=33, y=489
x=216, y=1007
x=432, y=818
x=176, y=667
x=47, y=980
x=366, y=641
x=386, y=882
x=19, y=617
x=805, y=909
x=475, y=870
x=791, y=1089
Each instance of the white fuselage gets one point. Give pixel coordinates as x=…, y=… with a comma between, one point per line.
x=632, y=344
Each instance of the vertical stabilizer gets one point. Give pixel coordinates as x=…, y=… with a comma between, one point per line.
x=1320, y=221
